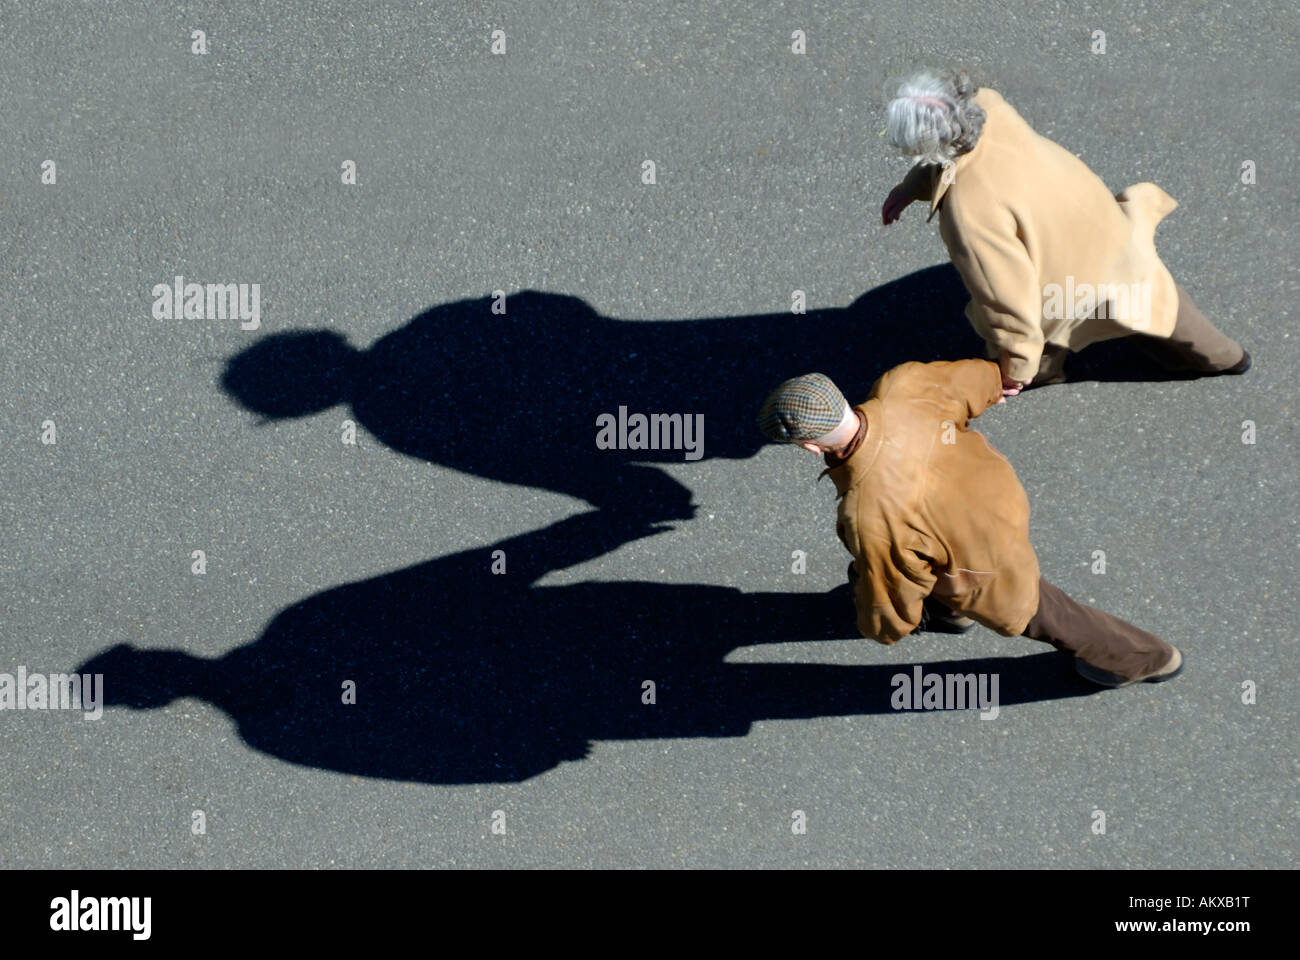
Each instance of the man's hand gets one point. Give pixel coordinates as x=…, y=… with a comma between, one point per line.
x=894, y=205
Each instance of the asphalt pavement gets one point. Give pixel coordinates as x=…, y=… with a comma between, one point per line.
x=499, y=719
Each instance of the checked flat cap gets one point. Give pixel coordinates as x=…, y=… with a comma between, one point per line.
x=803, y=408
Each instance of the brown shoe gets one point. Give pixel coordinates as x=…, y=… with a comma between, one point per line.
x=1236, y=370
x=1241, y=366
x=1105, y=678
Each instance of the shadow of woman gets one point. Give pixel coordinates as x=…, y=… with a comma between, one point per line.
x=515, y=397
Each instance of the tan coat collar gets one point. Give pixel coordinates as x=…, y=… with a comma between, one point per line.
x=949, y=174
x=851, y=471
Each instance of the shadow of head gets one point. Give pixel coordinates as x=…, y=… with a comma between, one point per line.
x=292, y=374
x=145, y=679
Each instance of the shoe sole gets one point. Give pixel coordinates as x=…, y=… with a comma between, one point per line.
x=1104, y=678
x=1196, y=373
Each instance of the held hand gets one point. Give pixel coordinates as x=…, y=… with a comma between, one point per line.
x=1012, y=388
x=894, y=205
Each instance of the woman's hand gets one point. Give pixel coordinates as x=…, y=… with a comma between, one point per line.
x=1011, y=388
x=894, y=205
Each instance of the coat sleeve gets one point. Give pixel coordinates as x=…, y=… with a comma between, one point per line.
x=1006, y=301
x=971, y=385
x=888, y=593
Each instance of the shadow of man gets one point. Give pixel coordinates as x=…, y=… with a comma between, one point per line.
x=516, y=397
x=466, y=676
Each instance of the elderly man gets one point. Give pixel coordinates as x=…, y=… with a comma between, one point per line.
x=930, y=511
x=1052, y=261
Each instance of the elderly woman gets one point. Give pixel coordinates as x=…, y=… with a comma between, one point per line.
x=1052, y=261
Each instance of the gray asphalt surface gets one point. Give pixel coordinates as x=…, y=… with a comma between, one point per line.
x=479, y=172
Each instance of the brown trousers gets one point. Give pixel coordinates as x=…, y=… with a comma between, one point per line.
x=1194, y=346
x=1094, y=636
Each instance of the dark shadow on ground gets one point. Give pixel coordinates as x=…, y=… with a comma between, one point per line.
x=515, y=397
x=465, y=676
x=1118, y=361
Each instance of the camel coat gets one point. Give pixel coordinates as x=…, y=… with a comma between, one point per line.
x=1048, y=255
x=927, y=506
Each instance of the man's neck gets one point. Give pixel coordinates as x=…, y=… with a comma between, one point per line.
x=838, y=455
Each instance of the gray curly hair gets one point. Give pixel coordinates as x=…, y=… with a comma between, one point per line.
x=933, y=117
